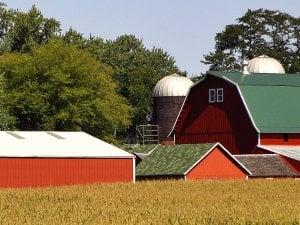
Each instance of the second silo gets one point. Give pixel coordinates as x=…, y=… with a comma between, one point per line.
x=168, y=97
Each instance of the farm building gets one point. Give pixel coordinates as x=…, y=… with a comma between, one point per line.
x=210, y=161
x=242, y=110
x=251, y=112
x=31, y=159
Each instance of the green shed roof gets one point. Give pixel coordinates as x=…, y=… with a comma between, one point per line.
x=172, y=159
x=273, y=100
x=136, y=148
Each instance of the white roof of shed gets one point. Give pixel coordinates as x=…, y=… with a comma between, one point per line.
x=56, y=144
x=285, y=150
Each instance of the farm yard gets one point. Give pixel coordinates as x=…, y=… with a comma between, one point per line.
x=156, y=202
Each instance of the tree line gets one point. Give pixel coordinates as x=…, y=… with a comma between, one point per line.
x=52, y=80
x=257, y=32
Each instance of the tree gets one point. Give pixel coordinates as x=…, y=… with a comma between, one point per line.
x=6, y=121
x=22, y=31
x=136, y=71
x=60, y=87
x=261, y=31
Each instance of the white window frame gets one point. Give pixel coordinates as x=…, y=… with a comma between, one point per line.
x=220, y=95
x=212, y=95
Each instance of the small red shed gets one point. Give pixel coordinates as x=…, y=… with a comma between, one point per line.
x=32, y=159
x=191, y=162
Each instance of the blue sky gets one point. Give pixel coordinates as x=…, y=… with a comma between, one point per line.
x=186, y=29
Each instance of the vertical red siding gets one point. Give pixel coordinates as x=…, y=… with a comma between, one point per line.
x=216, y=165
x=226, y=122
x=280, y=139
x=34, y=172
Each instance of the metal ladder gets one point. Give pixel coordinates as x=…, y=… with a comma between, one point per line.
x=147, y=134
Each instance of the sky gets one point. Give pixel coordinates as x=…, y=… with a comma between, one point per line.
x=185, y=29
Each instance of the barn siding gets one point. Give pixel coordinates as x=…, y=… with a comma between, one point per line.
x=216, y=165
x=227, y=122
x=280, y=139
x=34, y=172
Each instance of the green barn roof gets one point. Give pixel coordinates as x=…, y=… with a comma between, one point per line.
x=173, y=160
x=273, y=100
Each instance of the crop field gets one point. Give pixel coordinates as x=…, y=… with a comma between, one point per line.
x=160, y=202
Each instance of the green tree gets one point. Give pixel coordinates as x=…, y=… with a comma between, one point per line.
x=22, y=31
x=136, y=70
x=261, y=31
x=60, y=87
x=6, y=121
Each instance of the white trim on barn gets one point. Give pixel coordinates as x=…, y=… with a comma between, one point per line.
x=243, y=100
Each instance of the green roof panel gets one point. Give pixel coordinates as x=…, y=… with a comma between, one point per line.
x=263, y=79
x=172, y=159
x=136, y=148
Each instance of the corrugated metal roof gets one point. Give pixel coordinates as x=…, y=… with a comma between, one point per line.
x=285, y=150
x=56, y=144
x=263, y=79
x=266, y=165
x=272, y=99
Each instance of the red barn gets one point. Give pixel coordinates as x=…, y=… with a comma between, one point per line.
x=32, y=159
x=241, y=111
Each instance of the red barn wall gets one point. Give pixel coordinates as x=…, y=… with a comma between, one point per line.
x=35, y=172
x=280, y=139
x=227, y=122
x=216, y=165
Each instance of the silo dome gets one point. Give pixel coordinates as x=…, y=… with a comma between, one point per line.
x=172, y=85
x=265, y=64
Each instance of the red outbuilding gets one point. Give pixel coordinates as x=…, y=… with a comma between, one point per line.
x=210, y=161
x=33, y=159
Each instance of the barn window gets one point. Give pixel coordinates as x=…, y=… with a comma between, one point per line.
x=212, y=95
x=220, y=96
